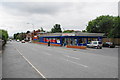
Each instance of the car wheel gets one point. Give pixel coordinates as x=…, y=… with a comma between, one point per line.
x=97, y=47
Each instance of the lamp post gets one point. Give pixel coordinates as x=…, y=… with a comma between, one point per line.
x=63, y=28
x=33, y=29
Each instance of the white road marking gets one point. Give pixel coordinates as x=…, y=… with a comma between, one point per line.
x=76, y=63
x=32, y=65
x=71, y=57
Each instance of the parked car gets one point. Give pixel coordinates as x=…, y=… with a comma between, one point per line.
x=30, y=41
x=95, y=44
x=18, y=40
x=23, y=41
x=10, y=39
x=109, y=44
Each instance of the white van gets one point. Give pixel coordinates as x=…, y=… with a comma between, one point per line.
x=95, y=44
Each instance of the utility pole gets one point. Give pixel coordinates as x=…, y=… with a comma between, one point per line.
x=33, y=30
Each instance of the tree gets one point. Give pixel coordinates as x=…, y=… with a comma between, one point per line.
x=20, y=36
x=27, y=32
x=16, y=36
x=104, y=24
x=42, y=29
x=115, y=32
x=101, y=24
x=4, y=35
x=84, y=31
x=56, y=29
x=68, y=31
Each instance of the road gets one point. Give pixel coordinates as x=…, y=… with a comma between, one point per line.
x=29, y=60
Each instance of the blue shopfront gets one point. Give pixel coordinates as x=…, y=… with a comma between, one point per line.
x=70, y=40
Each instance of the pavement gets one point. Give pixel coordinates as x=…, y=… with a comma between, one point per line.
x=29, y=60
x=0, y=59
x=0, y=64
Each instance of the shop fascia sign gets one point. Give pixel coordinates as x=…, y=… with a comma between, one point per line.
x=68, y=34
x=35, y=36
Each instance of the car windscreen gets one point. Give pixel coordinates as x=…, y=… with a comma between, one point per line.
x=94, y=42
x=109, y=43
x=99, y=42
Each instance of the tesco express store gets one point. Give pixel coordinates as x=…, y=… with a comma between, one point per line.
x=78, y=39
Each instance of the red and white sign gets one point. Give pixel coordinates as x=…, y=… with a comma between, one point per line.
x=35, y=37
x=68, y=34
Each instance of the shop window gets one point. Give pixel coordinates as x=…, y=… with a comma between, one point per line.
x=51, y=40
x=91, y=39
x=82, y=40
x=58, y=40
x=74, y=41
x=54, y=40
x=94, y=39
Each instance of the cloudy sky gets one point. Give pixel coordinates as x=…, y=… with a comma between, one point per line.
x=15, y=15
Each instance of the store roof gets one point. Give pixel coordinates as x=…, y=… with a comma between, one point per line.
x=89, y=34
x=73, y=34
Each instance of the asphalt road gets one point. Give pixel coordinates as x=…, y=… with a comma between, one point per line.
x=28, y=60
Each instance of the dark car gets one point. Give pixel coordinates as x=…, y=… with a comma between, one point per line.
x=109, y=44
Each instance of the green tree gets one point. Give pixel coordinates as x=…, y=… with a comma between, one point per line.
x=3, y=35
x=104, y=24
x=16, y=36
x=20, y=36
x=27, y=32
x=84, y=31
x=68, y=31
x=42, y=29
x=56, y=29
x=115, y=31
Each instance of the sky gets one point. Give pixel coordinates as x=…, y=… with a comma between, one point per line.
x=73, y=14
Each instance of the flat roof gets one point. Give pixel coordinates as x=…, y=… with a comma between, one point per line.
x=72, y=34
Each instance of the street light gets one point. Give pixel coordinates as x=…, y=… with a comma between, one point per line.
x=33, y=29
x=63, y=28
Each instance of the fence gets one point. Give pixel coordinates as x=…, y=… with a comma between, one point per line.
x=116, y=41
x=2, y=43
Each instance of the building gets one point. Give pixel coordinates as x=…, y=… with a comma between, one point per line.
x=34, y=35
x=28, y=37
x=76, y=39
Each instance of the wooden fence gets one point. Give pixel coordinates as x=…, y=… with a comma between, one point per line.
x=116, y=41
